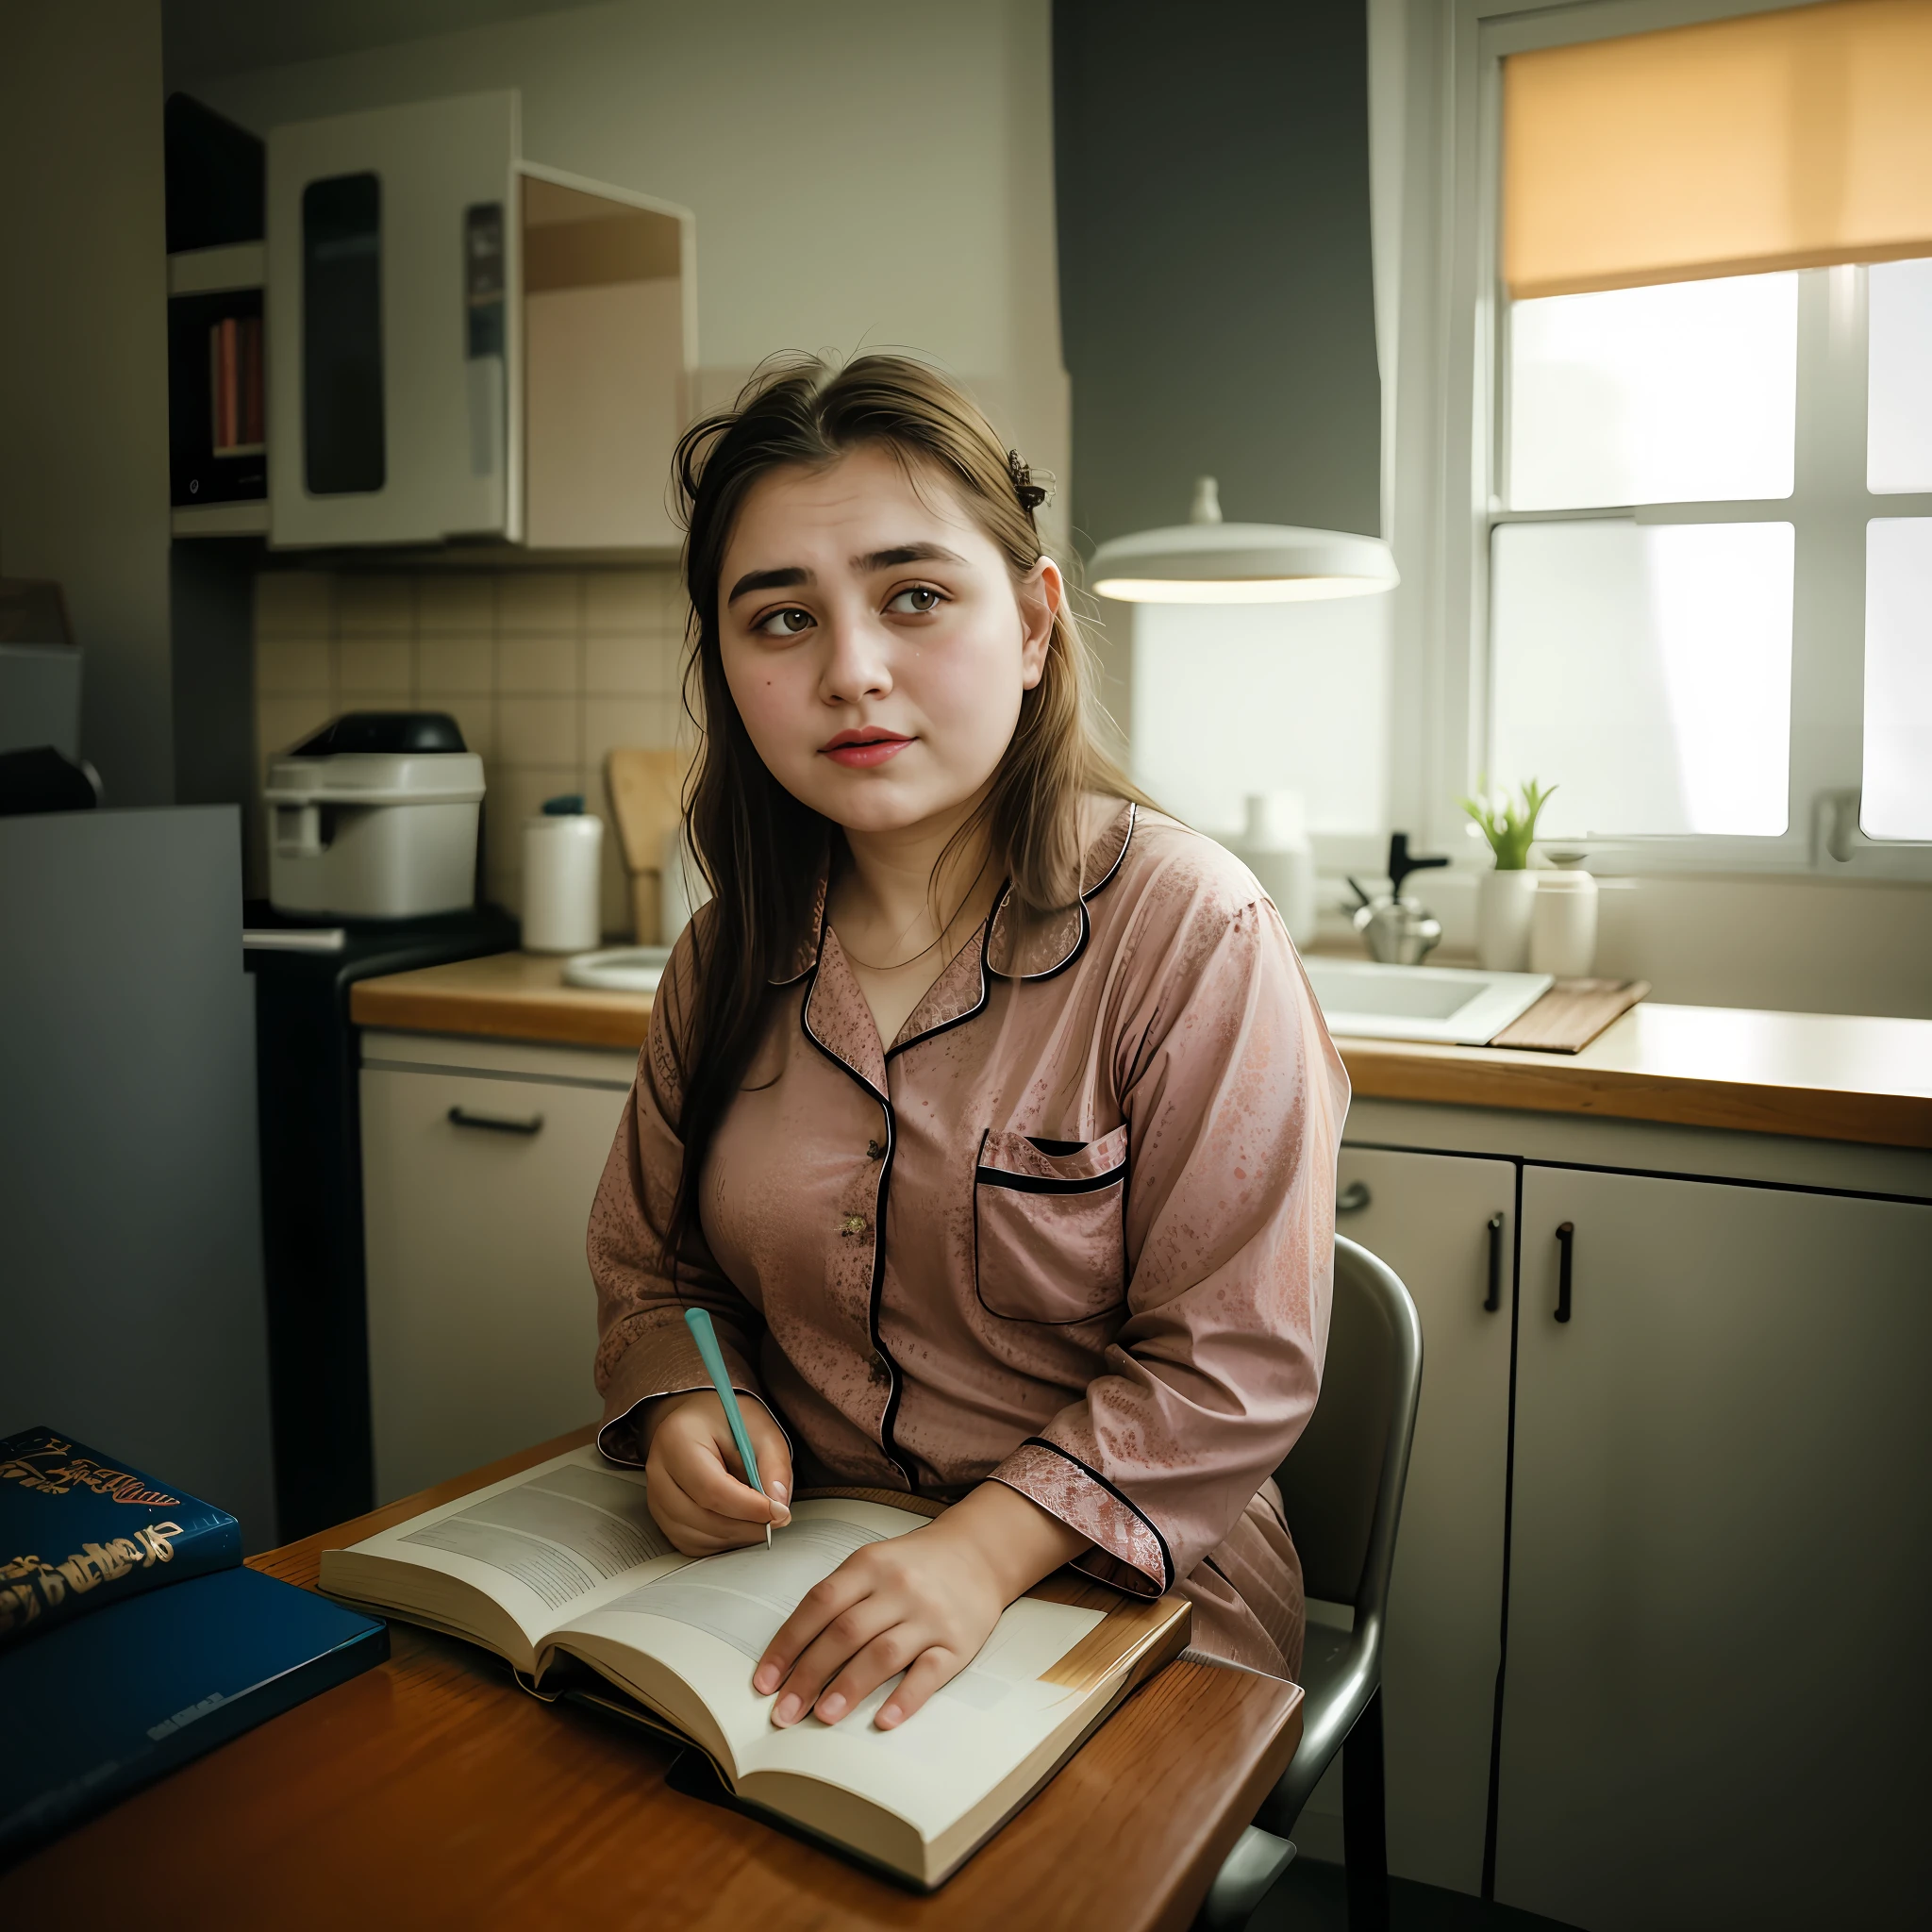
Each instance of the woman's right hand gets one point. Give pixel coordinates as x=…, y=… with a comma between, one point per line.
x=697, y=1487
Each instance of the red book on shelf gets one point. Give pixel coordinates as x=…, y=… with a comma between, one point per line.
x=221, y=382
x=251, y=385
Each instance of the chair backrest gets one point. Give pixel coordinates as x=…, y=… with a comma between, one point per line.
x=1341, y=1484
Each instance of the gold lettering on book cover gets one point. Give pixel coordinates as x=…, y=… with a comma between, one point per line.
x=27, y=1583
x=45, y=1472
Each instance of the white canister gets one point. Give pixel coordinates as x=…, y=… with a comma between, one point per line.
x=1274, y=845
x=1503, y=903
x=1562, y=930
x=562, y=854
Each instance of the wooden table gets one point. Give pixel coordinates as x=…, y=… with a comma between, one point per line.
x=431, y=1792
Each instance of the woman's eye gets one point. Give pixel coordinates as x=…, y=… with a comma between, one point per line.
x=784, y=623
x=917, y=601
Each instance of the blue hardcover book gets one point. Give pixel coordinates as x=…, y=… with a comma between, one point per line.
x=104, y=1704
x=80, y=1533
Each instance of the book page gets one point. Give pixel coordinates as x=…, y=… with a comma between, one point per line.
x=710, y=1623
x=543, y=1545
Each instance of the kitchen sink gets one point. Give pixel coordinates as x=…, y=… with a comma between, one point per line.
x=620, y=969
x=1451, y=1005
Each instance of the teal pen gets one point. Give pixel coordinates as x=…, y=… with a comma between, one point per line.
x=699, y=1323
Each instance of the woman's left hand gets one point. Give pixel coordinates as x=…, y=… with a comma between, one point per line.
x=922, y=1603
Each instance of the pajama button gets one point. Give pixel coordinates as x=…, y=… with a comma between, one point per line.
x=853, y=1224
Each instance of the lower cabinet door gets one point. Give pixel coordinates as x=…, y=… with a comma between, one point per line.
x=1446, y=1225
x=1719, y=1691
x=482, y=1318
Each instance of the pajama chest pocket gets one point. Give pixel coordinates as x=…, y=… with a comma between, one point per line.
x=1049, y=1227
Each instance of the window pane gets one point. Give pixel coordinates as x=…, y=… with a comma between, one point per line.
x=1646, y=672
x=1897, y=802
x=1682, y=393
x=1898, y=411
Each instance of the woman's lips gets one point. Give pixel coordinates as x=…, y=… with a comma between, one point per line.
x=856, y=751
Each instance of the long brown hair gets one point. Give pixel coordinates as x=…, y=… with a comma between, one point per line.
x=760, y=850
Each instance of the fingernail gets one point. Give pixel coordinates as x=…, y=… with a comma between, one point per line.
x=777, y=1491
x=765, y=1679
x=890, y=1716
x=781, y=1516
x=789, y=1708
x=831, y=1708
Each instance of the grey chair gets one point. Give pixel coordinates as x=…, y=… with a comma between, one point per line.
x=1343, y=1492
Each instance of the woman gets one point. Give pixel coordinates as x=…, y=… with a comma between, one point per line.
x=985, y=1110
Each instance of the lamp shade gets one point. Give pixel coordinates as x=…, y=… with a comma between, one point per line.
x=1207, y=561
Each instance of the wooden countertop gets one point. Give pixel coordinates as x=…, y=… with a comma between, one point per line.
x=1818, y=1075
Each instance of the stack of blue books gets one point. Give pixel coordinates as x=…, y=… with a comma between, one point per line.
x=131, y=1637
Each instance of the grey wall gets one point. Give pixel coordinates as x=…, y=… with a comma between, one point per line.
x=1216, y=299
x=130, y=1224
x=83, y=359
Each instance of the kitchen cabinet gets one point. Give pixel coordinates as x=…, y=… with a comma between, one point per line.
x=478, y=1183
x=1446, y=1225
x=1717, y=1684
x=464, y=343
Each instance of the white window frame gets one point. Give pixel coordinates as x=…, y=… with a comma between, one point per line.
x=1454, y=457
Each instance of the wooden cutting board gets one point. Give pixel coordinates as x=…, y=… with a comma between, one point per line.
x=1572, y=1014
x=646, y=787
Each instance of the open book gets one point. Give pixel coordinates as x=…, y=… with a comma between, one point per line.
x=564, y=1566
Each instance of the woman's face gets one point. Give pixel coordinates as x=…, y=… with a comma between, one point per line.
x=876, y=641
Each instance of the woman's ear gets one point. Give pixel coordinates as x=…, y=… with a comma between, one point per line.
x=1040, y=596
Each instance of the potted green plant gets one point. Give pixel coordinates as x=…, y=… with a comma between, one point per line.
x=1506, y=896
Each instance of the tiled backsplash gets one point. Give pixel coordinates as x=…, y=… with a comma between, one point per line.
x=544, y=670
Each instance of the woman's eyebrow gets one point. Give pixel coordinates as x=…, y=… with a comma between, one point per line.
x=770, y=580
x=906, y=552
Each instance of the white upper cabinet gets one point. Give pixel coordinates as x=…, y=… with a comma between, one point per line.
x=464, y=345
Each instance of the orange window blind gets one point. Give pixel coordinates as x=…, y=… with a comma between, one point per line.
x=1777, y=140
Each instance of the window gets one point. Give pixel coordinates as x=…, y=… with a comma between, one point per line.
x=1705, y=501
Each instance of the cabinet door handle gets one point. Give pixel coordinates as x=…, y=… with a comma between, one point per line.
x=1493, y=1300
x=496, y=1122
x=1353, y=1198
x=1566, y=1236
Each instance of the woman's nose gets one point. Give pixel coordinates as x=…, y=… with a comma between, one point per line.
x=856, y=663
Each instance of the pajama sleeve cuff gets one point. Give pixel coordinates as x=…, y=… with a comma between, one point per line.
x=1129, y=1551
x=658, y=1358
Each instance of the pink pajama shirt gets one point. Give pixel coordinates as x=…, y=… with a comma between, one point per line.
x=1072, y=1231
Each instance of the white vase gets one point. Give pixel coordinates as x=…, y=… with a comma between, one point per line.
x=1505, y=902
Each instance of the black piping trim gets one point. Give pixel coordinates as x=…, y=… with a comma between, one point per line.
x=1093, y=890
x=1044, y=1184
x=972, y=1013
x=895, y=1386
x=1120, y=1497
x=1040, y=1320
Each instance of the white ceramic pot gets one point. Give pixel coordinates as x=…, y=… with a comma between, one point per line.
x=1505, y=903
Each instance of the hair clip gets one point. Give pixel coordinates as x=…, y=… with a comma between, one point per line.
x=1029, y=492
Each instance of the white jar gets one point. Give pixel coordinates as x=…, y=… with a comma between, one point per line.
x=1274, y=845
x=562, y=851
x=1562, y=929
x=1505, y=900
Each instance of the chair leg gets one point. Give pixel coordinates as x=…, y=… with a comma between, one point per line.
x=1364, y=1839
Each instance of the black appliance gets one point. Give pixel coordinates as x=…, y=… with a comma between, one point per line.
x=306, y=1059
